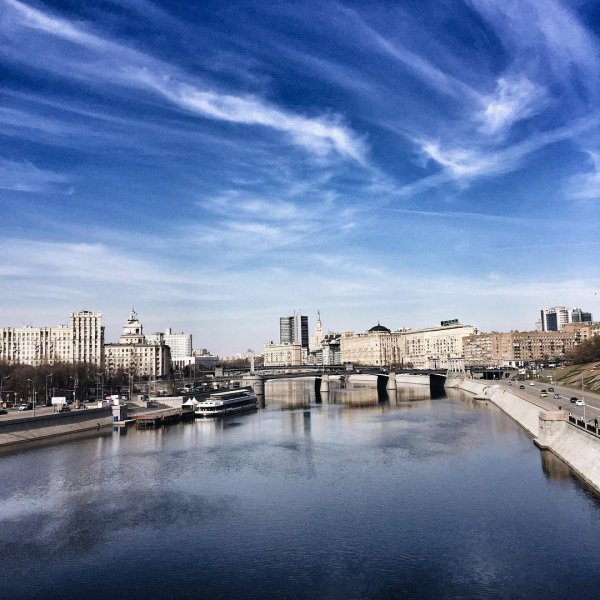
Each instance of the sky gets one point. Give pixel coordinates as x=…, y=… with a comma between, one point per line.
x=217, y=165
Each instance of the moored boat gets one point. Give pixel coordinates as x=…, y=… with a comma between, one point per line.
x=227, y=403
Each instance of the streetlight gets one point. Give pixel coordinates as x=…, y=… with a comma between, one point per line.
x=101, y=375
x=75, y=386
x=50, y=375
x=1, y=382
x=32, y=394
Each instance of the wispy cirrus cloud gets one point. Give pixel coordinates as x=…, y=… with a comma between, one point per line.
x=322, y=135
x=586, y=186
x=24, y=176
x=513, y=100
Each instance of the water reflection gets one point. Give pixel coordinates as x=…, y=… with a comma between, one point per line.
x=356, y=497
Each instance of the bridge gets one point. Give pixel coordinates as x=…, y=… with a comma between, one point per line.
x=384, y=381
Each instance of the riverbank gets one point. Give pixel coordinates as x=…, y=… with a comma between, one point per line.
x=549, y=429
x=44, y=427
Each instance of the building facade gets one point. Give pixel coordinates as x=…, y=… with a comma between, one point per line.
x=294, y=330
x=555, y=318
x=135, y=355
x=283, y=355
x=518, y=348
x=428, y=348
x=82, y=340
x=179, y=343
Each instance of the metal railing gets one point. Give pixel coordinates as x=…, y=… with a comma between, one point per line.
x=588, y=426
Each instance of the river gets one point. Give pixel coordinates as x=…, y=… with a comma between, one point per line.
x=347, y=498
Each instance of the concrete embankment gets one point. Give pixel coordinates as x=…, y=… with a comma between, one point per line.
x=523, y=412
x=550, y=429
x=405, y=378
x=29, y=429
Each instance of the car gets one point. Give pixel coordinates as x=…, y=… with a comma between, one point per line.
x=550, y=389
x=543, y=394
x=25, y=406
x=579, y=402
x=3, y=411
x=510, y=383
x=521, y=387
x=557, y=396
x=64, y=408
x=531, y=383
x=574, y=399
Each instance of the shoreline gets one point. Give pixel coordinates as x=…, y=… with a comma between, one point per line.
x=16, y=432
x=549, y=429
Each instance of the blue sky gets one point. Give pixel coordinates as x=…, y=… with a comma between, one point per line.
x=219, y=164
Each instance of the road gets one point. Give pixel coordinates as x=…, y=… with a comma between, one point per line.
x=14, y=413
x=531, y=393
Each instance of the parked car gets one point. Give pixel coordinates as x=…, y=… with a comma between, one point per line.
x=3, y=411
x=521, y=387
x=550, y=389
x=25, y=406
x=64, y=408
x=579, y=402
x=574, y=399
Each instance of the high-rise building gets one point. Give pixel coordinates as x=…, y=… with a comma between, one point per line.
x=553, y=319
x=294, y=330
x=82, y=340
x=318, y=336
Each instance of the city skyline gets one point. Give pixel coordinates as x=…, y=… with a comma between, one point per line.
x=216, y=166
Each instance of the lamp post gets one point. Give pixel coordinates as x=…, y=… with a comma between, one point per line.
x=50, y=375
x=32, y=394
x=1, y=382
x=101, y=375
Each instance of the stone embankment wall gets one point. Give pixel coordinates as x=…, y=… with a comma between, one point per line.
x=412, y=379
x=28, y=429
x=523, y=412
x=549, y=428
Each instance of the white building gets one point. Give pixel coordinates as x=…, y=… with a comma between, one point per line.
x=82, y=340
x=283, y=355
x=318, y=336
x=179, y=343
x=135, y=355
x=428, y=348
x=555, y=318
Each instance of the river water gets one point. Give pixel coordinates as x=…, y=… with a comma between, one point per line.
x=347, y=498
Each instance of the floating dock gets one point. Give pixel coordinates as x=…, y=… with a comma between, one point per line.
x=158, y=418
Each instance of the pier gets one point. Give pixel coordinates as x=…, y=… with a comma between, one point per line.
x=158, y=418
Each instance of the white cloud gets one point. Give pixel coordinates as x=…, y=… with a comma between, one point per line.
x=586, y=186
x=513, y=100
x=26, y=177
x=459, y=162
x=320, y=135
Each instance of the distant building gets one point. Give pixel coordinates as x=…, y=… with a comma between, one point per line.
x=428, y=348
x=180, y=346
x=283, y=355
x=82, y=340
x=318, y=336
x=294, y=330
x=553, y=319
x=328, y=353
x=135, y=355
x=518, y=348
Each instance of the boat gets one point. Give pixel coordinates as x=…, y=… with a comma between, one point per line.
x=228, y=402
